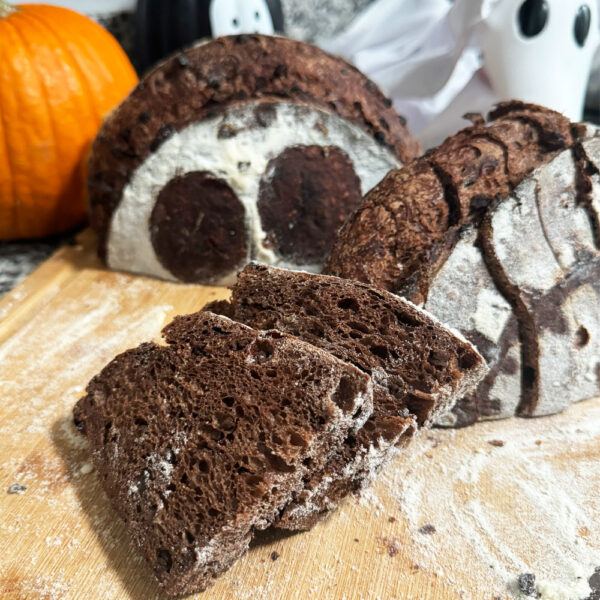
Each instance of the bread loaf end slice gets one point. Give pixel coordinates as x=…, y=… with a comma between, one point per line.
x=202, y=441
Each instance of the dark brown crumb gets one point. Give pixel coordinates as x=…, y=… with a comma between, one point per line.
x=538, y=442
x=392, y=519
x=526, y=583
x=391, y=544
x=497, y=443
x=356, y=539
x=274, y=555
x=427, y=529
x=16, y=488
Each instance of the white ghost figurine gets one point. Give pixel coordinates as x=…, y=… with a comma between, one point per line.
x=540, y=50
x=438, y=60
x=230, y=17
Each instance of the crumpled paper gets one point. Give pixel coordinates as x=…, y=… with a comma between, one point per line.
x=425, y=55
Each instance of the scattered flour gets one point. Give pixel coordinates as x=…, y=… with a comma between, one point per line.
x=528, y=506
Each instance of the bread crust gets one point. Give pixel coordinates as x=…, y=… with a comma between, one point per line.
x=225, y=72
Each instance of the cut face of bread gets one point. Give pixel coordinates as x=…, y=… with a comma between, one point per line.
x=244, y=147
x=418, y=367
x=202, y=441
x=269, y=181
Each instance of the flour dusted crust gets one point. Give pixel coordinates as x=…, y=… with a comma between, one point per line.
x=541, y=245
x=463, y=296
x=506, y=238
x=202, y=441
x=285, y=134
x=401, y=233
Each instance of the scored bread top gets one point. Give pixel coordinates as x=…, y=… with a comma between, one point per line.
x=406, y=226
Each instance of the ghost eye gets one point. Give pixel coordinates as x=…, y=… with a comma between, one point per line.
x=257, y=15
x=583, y=21
x=235, y=22
x=533, y=16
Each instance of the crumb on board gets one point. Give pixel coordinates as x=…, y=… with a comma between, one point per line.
x=427, y=529
x=17, y=488
x=497, y=443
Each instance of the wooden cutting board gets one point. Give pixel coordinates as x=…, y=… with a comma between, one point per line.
x=461, y=514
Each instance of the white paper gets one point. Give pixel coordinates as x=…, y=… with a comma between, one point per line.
x=427, y=56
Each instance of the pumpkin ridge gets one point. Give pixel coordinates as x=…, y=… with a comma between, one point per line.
x=7, y=161
x=80, y=75
x=11, y=167
x=96, y=36
x=46, y=103
x=67, y=194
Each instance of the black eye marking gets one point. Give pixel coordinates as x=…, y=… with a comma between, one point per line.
x=257, y=15
x=533, y=16
x=583, y=20
x=235, y=22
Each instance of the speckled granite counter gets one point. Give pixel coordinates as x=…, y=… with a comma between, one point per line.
x=18, y=259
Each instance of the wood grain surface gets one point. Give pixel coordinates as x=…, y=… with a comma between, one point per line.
x=417, y=534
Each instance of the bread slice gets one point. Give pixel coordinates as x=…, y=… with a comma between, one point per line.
x=204, y=440
x=418, y=367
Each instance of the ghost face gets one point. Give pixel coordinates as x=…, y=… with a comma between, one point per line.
x=230, y=17
x=541, y=51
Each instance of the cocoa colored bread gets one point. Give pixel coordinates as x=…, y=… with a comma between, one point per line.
x=496, y=232
x=397, y=237
x=202, y=441
x=419, y=368
x=242, y=147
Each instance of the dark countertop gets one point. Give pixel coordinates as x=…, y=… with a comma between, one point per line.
x=18, y=259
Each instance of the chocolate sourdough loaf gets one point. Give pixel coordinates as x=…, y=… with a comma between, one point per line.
x=418, y=367
x=496, y=233
x=242, y=147
x=202, y=441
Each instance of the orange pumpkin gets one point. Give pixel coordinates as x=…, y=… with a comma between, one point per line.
x=60, y=73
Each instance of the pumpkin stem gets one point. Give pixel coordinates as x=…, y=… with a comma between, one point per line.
x=6, y=9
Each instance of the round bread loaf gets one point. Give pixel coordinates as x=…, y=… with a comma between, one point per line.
x=497, y=233
x=244, y=147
